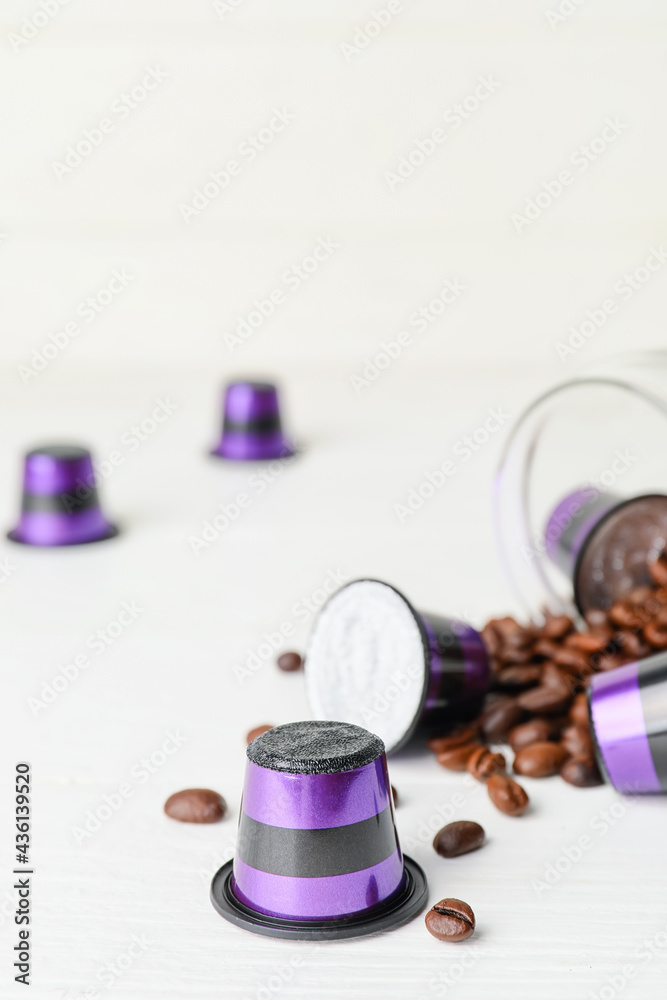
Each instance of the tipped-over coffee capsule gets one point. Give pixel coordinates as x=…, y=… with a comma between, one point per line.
x=251, y=429
x=374, y=661
x=628, y=713
x=318, y=854
x=603, y=543
x=60, y=504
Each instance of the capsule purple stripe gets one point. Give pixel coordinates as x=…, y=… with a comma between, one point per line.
x=47, y=474
x=470, y=651
x=316, y=801
x=246, y=401
x=318, y=898
x=47, y=528
x=620, y=730
x=250, y=446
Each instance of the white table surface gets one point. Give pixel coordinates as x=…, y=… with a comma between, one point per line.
x=332, y=510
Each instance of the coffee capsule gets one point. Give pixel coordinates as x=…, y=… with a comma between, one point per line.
x=373, y=660
x=251, y=429
x=603, y=543
x=318, y=855
x=628, y=713
x=60, y=504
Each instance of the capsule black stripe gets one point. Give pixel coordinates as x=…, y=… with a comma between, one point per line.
x=312, y=853
x=261, y=425
x=653, y=694
x=59, y=503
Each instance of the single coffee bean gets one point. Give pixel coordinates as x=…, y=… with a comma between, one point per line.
x=394, y=796
x=516, y=676
x=257, y=731
x=540, y=760
x=458, y=838
x=573, y=659
x=546, y=648
x=658, y=570
x=196, y=805
x=533, y=731
x=545, y=700
x=586, y=642
x=466, y=733
x=500, y=716
x=289, y=661
x=656, y=635
x=450, y=920
x=507, y=795
x=456, y=759
x=482, y=763
x=579, y=710
x=492, y=638
x=577, y=741
x=557, y=626
x=622, y=613
x=633, y=644
x=559, y=677
x=581, y=771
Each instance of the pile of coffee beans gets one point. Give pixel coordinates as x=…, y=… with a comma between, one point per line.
x=537, y=704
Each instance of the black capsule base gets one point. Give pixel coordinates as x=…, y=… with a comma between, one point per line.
x=394, y=912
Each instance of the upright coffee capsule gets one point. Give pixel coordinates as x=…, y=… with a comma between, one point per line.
x=318, y=854
x=375, y=661
x=251, y=429
x=603, y=544
x=60, y=503
x=628, y=713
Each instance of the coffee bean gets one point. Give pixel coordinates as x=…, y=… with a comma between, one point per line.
x=633, y=644
x=558, y=677
x=394, y=796
x=492, y=638
x=289, y=661
x=622, y=613
x=579, y=710
x=572, y=659
x=507, y=795
x=500, y=716
x=581, y=771
x=450, y=920
x=257, y=731
x=610, y=661
x=534, y=731
x=540, y=760
x=516, y=676
x=656, y=635
x=577, y=741
x=196, y=805
x=546, y=648
x=658, y=570
x=482, y=763
x=457, y=758
x=545, y=700
x=466, y=733
x=458, y=838
x=557, y=626
x=586, y=642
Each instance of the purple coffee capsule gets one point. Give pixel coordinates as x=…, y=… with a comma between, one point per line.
x=318, y=855
x=373, y=660
x=603, y=544
x=60, y=503
x=251, y=429
x=628, y=713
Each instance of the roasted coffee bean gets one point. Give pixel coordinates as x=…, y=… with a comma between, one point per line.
x=515, y=676
x=450, y=920
x=545, y=648
x=610, y=661
x=586, y=642
x=622, y=613
x=257, y=731
x=558, y=677
x=534, y=731
x=633, y=644
x=512, y=655
x=581, y=771
x=577, y=741
x=289, y=661
x=579, y=710
x=540, y=760
x=545, y=700
x=492, y=638
x=572, y=659
x=394, y=796
x=457, y=758
x=467, y=733
x=656, y=635
x=458, y=838
x=507, y=795
x=482, y=763
x=557, y=626
x=596, y=618
x=196, y=805
x=658, y=570
x=500, y=716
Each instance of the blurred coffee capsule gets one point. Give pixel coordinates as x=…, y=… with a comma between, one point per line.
x=373, y=660
x=252, y=429
x=60, y=504
x=628, y=714
x=318, y=856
